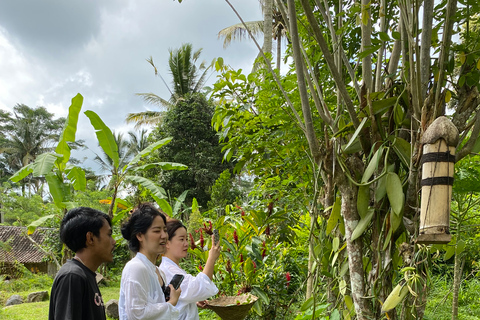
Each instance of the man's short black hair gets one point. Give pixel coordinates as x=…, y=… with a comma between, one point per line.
x=78, y=222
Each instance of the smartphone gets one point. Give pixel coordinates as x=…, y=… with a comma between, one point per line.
x=176, y=281
x=216, y=236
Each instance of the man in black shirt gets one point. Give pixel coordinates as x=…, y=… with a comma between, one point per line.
x=75, y=294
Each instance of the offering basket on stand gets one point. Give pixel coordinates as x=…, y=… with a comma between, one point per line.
x=232, y=307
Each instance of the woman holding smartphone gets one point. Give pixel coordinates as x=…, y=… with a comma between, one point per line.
x=195, y=289
x=143, y=284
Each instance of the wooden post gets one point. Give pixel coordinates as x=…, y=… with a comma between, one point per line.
x=439, y=143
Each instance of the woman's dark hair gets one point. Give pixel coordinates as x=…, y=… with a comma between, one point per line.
x=172, y=226
x=139, y=222
x=78, y=222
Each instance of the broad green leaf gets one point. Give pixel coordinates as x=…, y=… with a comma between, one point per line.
x=77, y=176
x=70, y=128
x=335, y=244
x=342, y=286
x=261, y=294
x=307, y=304
x=335, y=315
x=148, y=150
x=251, y=223
x=69, y=205
x=395, y=297
x=33, y=226
x=194, y=204
x=395, y=192
x=381, y=189
x=44, y=163
x=387, y=239
x=248, y=267
x=148, y=184
x=398, y=114
x=55, y=186
x=373, y=165
x=363, y=200
x=368, y=51
x=64, y=149
x=354, y=136
x=162, y=166
x=448, y=96
x=165, y=206
x=334, y=215
x=381, y=106
x=395, y=220
x=362, y=225
x=22, y=173
x=178, y=203
x=384, y=36
x=450, y=252
x=349, y=303
x=105, y=137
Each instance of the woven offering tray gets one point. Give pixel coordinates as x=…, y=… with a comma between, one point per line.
x=232, y=307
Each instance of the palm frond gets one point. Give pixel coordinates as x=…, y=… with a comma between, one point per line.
x=239, y=32
x=152, y=98
x=145, y=118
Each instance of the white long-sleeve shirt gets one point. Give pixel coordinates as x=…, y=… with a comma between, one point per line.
x=141, y=295
x=194, y=288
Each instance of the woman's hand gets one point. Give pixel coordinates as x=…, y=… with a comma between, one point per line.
x=174, y=295
x=213, y=255
x=202, y=304
x=215, y=250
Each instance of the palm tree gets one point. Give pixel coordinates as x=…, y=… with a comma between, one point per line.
x=106, y=163
x=26, y=134
x=187, y=78
x=138, y=142
x=277, y=25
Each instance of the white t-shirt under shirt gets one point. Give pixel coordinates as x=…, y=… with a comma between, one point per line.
x=194, y=288
x=141, y=296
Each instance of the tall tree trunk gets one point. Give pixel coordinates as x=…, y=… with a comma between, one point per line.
x=379, y=67
x=354, y=250
x=426, y=46
x=279, y=50
x=366, y=44
x=457, y=278
x=302, y=87
x=267, y=26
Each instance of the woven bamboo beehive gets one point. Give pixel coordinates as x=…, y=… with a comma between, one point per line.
x=232, y=307
x=440, y=140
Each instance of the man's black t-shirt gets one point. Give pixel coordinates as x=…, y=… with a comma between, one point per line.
x=75, y=294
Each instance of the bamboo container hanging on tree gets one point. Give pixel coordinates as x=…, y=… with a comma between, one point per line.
x=439, y=143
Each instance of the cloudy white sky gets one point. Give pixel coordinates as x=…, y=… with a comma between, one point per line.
x=50, y=50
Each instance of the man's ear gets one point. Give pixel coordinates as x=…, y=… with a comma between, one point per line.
x=89, y=238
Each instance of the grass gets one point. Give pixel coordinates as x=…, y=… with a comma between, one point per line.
x=38, y=310
x=439, y=305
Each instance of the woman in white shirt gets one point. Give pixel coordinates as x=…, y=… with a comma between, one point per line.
x=143, y=284
x=194, y=288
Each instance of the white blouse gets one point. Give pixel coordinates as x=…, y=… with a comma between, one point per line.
x=193, y=288
x=141, y=295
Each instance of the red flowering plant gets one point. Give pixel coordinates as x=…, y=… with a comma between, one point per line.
x=254, y=262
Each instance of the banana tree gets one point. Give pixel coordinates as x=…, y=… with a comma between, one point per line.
x=128, y=173
x=61, y=176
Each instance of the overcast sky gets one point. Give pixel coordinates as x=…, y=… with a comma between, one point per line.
x=50, y=50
